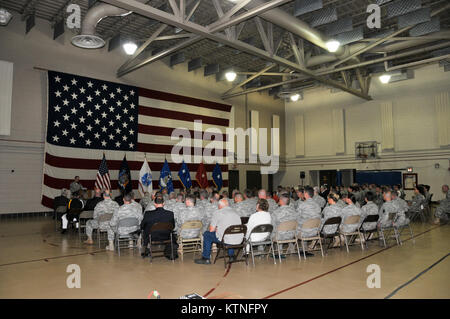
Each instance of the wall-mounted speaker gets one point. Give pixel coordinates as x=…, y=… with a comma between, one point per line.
x=302, y=175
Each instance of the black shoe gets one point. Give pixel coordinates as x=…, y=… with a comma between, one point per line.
x=309, y=254
x=63, y=231
x=203, y=261
x=145, y=253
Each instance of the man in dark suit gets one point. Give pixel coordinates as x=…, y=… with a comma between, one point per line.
x=159, y=215
x=61, y=200
x=92, y=202
x=74, y=208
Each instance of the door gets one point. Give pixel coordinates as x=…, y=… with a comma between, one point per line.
x=254, y=179
x=270, y=181
x=328, y=177
x=233, y=180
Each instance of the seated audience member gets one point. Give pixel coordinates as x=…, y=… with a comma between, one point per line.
x=369, y=209
x=262, y=194
x=136, y=204
x=90, y=203
x=308, y=209
x=220, y=221
x=61, y=200
x=158, y=215
x=209, y=210
x=324, y=191
x=240, y=206
x=333, y=210
x=74, y=208
x=261, y=217
x=418, y=200
x=119, y=198
x=318, y=199
x=106, y=206
x=443, y=209
x=282, y=214
x=145, y=200
x=127, y=210
x=349, y=210
x=387, y=208
x=402, y=208
x=189, y=213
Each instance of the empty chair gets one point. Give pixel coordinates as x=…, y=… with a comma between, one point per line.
x=232, y=230
x=102, y=222
x=368, y=231
x=83, y=218
x=59, y=211
x=309, y=232
x=261, y=229
x=287, y=226
x=333, y=221
x=192, y=244
x=352, y=220
x=159, y=230
x=121, y=238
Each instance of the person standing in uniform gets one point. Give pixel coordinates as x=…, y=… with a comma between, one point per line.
x=106, y=206
x=76, y=186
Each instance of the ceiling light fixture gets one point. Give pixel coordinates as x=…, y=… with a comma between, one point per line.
x=5, y=17
x=333, y=45
x=231, y=76
x=130, y=48
x=295, y=97
x=385, y=78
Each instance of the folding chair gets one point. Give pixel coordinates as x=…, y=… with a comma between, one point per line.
x=82, y=219
x=133, y=236
x=232, y=230
x=194, y=244
x=352, y=220
x=102, y=219
x=287, y=226
x=308, y=225
x=244, y=220
x=369, y=232
x=389, y=227
x=61, y=210
x=420, y=213
x=401, y=228
x=261, y=229
x=330, y=222
x=161, y=227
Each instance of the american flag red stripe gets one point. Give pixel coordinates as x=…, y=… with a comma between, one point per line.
x=159, y=113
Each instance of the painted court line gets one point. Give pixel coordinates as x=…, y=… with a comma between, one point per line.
x=220, y=281
x=346, y=265
x=47, y=258
x=417, y=276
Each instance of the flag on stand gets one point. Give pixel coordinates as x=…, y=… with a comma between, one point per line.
x=124, y=179
x=185, y=176
x=217, y=176
x=103, y=180
x=201, y=177
x=165, y=178
x=145, y=179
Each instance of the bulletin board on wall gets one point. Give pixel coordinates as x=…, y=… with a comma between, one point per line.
x=379, y=177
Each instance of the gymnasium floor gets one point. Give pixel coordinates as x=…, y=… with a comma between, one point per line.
x=34, y=258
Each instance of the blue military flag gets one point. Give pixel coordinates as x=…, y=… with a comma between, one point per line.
x=124, y=179
x=217, y=176
x=185, y=176
x=165, y=178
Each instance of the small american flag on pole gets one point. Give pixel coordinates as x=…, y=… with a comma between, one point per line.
x=103, y=180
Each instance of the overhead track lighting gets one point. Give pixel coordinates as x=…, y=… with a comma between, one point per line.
x=130, y=48
x=295, y=97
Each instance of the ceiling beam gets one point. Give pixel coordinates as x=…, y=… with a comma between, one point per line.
x=164, y=17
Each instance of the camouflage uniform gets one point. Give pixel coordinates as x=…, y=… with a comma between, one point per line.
x=209, y=209
x=190, y=214
x=150, y=206
x=319, y=200
x=388, y=207
x=250, y=206
x=330, y=211
x=350, y=210
x=106, y=206
x=378, y=200
x=416, y=203
x=272, y=205
x=145, y=201
x=402, y=208
x=242, y=209
x=177, y=209
x=125, y=211
x=283, y=214
x=444, y=207
x=369, y=209
x=307, y=210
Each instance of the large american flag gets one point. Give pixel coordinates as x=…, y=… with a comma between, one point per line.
x=88, y=118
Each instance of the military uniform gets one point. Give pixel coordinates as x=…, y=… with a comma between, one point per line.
x=145, y=201
x=125, y=211
x=190, y=214
x=349, y=210
x=104, y=207
x=250, y=206
x=209, y=210
x=369, y=209
x=272, y=205
x=388, y=207
x=307, y=210
x=402, y=208
x=378, y=200
x=330, y=211
x=283, y=214
x=319, y=200
x=150, y=206
x=416, y=204
x=444, y=207
x=176, y=208
x=242, y=209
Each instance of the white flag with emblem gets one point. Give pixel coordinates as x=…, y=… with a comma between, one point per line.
x=145, y=179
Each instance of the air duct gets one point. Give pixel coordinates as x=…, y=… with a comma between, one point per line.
x=88, y=39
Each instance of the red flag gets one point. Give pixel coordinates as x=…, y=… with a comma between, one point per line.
x=201, y=177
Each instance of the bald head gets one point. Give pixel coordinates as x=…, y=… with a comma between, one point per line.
x=223, y=203
x=262, y=194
